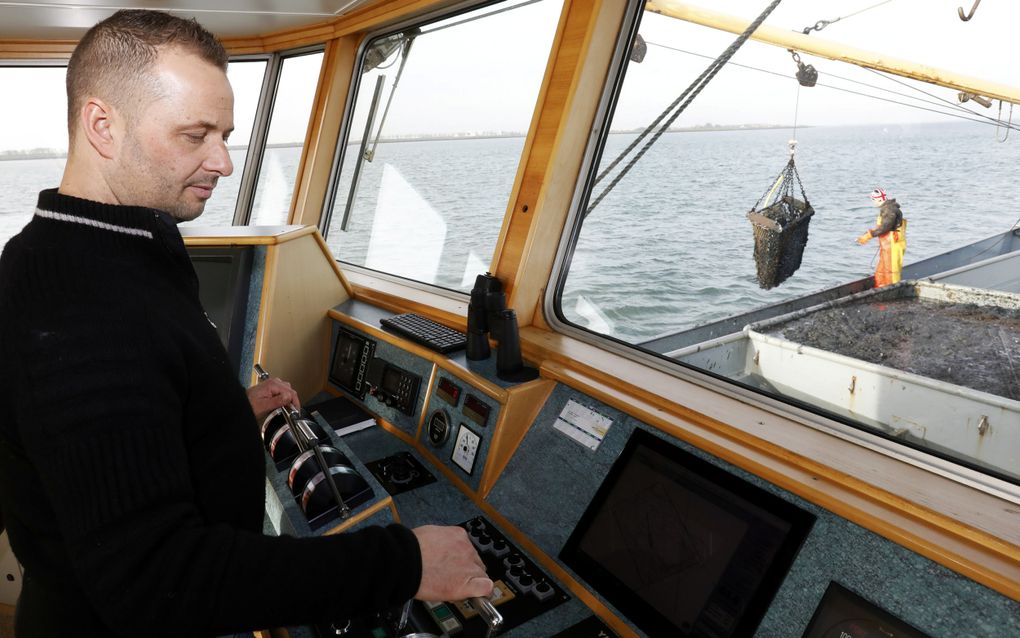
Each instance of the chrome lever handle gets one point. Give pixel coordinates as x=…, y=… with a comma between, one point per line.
x=489, y=614
x=405, y=612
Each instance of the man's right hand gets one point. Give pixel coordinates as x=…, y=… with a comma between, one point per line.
x=450, y=567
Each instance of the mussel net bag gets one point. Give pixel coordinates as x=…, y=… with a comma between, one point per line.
x=780, y=230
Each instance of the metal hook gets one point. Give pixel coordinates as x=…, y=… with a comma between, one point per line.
x=1009, y=124
x=821, y=24
x=968, y=16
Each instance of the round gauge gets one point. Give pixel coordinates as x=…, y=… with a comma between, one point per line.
x=438, y=428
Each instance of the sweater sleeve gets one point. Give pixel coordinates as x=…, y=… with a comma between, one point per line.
x=99, y=410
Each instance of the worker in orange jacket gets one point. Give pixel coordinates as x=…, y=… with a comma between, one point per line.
x=891, y=230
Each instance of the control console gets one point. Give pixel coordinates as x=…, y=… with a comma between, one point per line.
x=522, y=592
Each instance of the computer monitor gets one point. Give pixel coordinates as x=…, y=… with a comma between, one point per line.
x=224, y=275
x=683, y=547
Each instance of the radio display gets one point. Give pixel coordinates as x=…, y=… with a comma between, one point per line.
x=350, y=357
x=475, y=410
x=448, y=391
x=391, y=380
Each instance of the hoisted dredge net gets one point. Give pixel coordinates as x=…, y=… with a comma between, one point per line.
x=780, y=223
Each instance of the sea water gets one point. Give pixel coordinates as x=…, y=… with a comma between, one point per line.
x=670, y=247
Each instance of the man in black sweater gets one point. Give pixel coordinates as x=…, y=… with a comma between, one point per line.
x=131, y=472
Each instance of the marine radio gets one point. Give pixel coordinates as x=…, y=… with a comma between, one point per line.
x=392, y=385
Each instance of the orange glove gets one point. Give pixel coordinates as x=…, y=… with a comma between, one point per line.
x=865, y=238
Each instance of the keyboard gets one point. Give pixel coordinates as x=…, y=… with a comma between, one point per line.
x=428, y=333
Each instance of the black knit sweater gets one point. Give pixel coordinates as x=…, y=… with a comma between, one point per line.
x=131, y=473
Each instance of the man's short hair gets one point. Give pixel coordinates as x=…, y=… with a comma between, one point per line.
x=112, y=60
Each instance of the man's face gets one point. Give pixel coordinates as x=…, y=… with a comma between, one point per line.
x=175, y=143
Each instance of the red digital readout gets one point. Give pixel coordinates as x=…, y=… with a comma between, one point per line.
x=448, y=391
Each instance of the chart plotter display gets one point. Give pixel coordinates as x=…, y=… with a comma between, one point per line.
x=681, y=546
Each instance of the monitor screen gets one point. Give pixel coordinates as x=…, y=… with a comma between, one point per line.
x=683, y=547
x=223, y=279
x=841, y=613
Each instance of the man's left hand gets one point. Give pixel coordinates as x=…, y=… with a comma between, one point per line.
x=865, y=238
x=266, y=396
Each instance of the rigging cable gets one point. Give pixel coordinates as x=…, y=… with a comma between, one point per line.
x=984, y=118
x=1009, y=124
x=997, y=121
x=694, y=89
x=821, y=24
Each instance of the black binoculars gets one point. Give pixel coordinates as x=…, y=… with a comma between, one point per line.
x=488, y=315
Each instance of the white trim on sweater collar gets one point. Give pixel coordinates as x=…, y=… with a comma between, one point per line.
x=63, y=217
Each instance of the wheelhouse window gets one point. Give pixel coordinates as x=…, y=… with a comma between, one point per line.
x=33, y=141
x=292, y=107
x=664, y=258
x=432, y=144
x=246, y=79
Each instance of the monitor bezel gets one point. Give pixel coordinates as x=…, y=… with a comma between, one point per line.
x=838, y=594
x=638, y=611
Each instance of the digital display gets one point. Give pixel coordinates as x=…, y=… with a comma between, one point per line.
x=844, y=614
x=448, y=391
x=349, y=357
x=475, y=410
x=683, y=547
x=391, y=380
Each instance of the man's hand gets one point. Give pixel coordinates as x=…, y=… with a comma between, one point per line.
x=266, y=396
x=865, y=238
x=450, y=566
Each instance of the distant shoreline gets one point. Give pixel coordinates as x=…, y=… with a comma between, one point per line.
x=35, y=154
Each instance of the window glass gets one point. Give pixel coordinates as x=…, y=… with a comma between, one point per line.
x=33, y=142
x=664, y=255
x=436, y=151
x=246, y=79
x=285, y=141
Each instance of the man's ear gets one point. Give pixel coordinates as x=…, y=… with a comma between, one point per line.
x=99, y=124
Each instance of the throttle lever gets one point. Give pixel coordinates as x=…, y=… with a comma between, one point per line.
x=306, y=440
x=488, y=612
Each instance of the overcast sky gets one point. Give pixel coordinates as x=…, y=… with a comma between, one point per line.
x=484, y=75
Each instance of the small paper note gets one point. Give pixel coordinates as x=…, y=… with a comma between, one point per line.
x=584, y=425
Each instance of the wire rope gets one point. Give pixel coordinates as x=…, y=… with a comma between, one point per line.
x=693, y=90
x=933, y=96
x=821, y=24
x=984, y=118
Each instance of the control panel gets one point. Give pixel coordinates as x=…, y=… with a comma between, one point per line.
x=521, y=590
x=393, y=385
x=458, y=425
